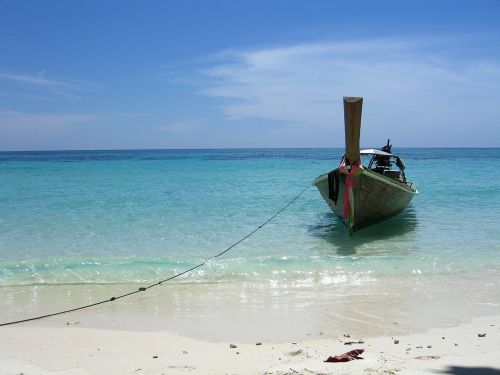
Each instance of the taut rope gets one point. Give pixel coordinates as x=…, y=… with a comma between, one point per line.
x=144, y=288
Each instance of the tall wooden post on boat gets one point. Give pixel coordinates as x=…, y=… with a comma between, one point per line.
x=352, y=120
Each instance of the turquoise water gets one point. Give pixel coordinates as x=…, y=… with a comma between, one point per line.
x=78, y=227
x=99, y=217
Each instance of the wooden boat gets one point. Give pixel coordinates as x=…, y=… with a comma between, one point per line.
x=361, y=196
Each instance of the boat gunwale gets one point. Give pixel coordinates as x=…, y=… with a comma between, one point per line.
x=395, y=183
x=377, y=176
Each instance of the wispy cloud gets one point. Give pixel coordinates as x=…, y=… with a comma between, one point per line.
x=12, y=121
x=421, y=85
x=42, y=86
x=180, y=127
x=30, y=130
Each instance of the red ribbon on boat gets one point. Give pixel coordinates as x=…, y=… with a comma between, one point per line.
x=355, y=168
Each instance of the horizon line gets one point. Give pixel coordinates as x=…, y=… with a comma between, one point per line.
x=238, y=148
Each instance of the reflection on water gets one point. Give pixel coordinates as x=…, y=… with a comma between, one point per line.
x=259, y=310
x=330, y=228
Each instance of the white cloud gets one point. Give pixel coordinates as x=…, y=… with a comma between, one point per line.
x=11, y=121
x=39, y=86
x=21, y=130
x=414, y=87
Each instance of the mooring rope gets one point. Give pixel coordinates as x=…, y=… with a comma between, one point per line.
x=144, y=288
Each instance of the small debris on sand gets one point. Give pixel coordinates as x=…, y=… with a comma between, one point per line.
x=232, y=346
x=428, y=357
x=347, y=335
x=259, y=343
x=396, y=341
x=353, y=342
x=295, y=352
x=155, y=356
x=429, y=346
x=71, y=323
x=481, y=335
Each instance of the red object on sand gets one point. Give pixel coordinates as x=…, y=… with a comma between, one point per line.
x=346, y=357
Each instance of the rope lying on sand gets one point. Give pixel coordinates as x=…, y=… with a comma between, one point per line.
x=144, y=288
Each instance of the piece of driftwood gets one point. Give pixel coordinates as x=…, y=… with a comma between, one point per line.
x=346, y=357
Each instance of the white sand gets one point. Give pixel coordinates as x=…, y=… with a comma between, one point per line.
x=75, y=349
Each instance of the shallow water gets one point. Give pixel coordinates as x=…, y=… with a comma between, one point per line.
x=85, y=220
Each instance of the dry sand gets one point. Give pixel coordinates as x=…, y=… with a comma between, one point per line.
x=76, y=350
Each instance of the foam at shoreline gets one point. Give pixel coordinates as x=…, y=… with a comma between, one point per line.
x=266, y=310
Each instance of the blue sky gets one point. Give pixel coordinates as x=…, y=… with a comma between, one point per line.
x=227, y=74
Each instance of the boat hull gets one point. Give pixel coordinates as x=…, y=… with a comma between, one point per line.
x=375, y=197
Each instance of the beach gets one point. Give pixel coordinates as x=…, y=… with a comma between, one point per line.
x=75, y=349
x=219, y=329
x=82, y=227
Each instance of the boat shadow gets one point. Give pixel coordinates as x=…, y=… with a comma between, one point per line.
x=330, y=229
x=462, y=370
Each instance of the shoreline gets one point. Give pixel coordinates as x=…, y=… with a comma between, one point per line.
x=188, y=328
x=247, y=312
x=76, y=350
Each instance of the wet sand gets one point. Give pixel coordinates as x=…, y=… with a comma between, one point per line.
x=285, y=311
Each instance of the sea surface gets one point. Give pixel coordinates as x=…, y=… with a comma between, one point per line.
x=110, y=220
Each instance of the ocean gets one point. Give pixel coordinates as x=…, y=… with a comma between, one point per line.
x=76, y=226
